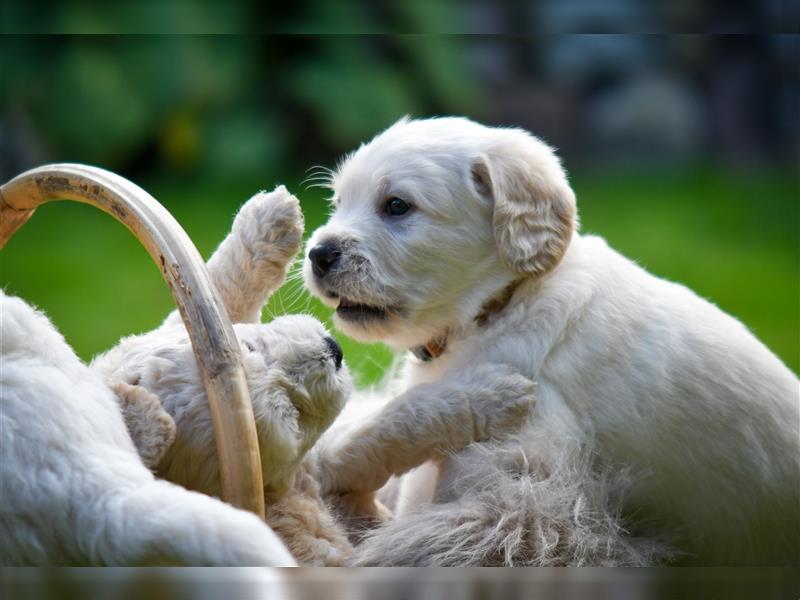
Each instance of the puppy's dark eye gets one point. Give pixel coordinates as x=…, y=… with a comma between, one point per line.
x=249, y=346
x=396, y=206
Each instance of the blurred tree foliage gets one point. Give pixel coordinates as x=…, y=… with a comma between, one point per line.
x=232, y=105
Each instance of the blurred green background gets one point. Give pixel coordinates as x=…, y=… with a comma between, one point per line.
x=682, y=150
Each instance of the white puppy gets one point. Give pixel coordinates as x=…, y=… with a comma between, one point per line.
x=459, y=242
x=74, y=491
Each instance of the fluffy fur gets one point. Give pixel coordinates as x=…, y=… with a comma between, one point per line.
x=636, y=375
x=513, y=512
x=297, y=386
x=74, y=491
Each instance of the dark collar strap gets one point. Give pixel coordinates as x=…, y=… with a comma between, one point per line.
x=422, y=353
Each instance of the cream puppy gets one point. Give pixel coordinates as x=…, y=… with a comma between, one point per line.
x=655, y=410
x=297, y=379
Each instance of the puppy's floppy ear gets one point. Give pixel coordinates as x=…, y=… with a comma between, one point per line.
x=151, y=428
x=534, y=207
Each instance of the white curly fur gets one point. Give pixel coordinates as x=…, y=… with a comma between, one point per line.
x=74, y=491
x=635, y=375
x=508, y=508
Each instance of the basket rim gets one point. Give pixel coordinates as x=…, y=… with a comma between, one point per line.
x=214, y=342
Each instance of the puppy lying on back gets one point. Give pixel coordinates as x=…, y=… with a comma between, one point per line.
x=298, y=385
x=459, y=243
x=298, y=382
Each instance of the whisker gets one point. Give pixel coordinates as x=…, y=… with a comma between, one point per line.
x=295, y=295
x=322, y=168
x=318, y=177
x=321, y=185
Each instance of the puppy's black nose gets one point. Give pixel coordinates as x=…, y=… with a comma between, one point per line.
x=336, y=351
x=323, y=257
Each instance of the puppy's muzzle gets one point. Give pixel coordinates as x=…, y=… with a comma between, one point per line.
x=323, y=258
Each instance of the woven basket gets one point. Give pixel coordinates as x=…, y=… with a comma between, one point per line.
x=213, y=340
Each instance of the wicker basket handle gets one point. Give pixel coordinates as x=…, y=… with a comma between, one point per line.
x=213, y=340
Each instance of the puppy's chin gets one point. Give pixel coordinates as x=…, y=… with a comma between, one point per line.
x=366, y=326
x=398, y=330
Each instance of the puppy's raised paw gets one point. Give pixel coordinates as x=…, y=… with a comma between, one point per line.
x=501, y=400
x=151, y=427
x=270, y=225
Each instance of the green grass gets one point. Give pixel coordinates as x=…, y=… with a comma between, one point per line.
x=730, y=236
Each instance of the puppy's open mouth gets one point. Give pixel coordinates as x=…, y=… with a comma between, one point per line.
x=352, y=311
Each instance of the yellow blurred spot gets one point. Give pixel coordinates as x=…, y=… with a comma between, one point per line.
x=179, y=141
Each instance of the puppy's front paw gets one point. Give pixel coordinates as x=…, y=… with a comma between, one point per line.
x=501, y=400
x=270, y=225
x=151, y=428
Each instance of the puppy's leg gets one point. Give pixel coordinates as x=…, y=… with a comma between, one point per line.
x=151, y=428
x=358, y=513
x=303, y=522
x=425, y=423
x=251, y=262
x=156, y=522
